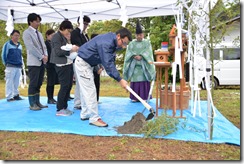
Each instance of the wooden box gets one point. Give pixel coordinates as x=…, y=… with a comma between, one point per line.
x=169, y=105
x=161, y=56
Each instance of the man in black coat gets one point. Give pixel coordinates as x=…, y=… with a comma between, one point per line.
x=78, y=38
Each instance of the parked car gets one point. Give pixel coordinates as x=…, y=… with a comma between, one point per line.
x=226, y=68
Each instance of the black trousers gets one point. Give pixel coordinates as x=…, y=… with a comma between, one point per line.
x=64, y=76
x=52, y=76
x=36, y=75
x=97, y=83
x=71, y=79
x=52, y=79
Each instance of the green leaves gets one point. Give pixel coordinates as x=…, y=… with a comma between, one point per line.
x=159, y=126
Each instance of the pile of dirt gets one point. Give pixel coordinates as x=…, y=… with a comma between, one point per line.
x=134, y=125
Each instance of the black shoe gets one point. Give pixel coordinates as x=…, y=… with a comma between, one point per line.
x=51, y=101
x=35, y=107
x=41, y=106
x=17, y=97
x=78, y=107
x=70, y=98
x=11, y=99
x=84, y=119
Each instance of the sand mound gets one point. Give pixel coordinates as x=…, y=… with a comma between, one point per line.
x=134, y=125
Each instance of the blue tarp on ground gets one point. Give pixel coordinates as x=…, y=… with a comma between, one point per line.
x=16, y=116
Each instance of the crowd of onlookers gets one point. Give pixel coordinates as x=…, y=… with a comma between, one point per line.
x=69, y=53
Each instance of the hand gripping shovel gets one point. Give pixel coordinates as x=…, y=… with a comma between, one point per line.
x=151, y=110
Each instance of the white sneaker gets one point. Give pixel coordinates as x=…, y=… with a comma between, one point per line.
x=63, y=112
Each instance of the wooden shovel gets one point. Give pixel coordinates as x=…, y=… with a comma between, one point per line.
x=151, y=110
x=149, y=94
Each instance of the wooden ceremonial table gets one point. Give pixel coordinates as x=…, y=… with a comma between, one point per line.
x=160, y=64
x=165, y=98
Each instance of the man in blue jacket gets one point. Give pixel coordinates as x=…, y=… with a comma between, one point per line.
x=99, y=50
x=12, y=59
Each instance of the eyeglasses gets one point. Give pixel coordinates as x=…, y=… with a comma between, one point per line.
x=69, y=30
x=124, y=43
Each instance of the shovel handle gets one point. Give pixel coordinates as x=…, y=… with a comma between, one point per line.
x=139, y=98
x=149, y=94
x=150, y=91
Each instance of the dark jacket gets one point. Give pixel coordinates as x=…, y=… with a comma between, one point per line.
x=78, y=38
x=12, y=54
x=58, y=56
x=49, y=50
x=101, y=50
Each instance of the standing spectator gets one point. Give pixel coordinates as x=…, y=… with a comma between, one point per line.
x=13, y=61
x=137, y=69
x=78, y=38
x=52, y=77
x=36, y=58
x=99, y=50
x=63, y=65
x=96, y=72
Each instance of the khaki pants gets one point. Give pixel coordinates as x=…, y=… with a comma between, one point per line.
x=88, y=96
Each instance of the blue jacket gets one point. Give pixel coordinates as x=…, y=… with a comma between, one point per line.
x=12, y=54
x=101, y=50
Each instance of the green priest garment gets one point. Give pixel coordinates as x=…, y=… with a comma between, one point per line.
x=137, y=71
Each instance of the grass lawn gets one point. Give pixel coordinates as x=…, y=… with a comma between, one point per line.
x=53, y=146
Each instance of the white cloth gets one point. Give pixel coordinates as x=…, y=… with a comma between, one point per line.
x=77, y=101
x=72, y=55
x=12, y=76
x=88, y=95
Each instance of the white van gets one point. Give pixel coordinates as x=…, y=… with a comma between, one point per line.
x=226, y=68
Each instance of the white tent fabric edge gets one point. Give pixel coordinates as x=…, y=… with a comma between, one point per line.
x=58, y=10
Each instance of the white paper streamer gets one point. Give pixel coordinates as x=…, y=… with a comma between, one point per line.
x=123, y=13
x=10, y=23
x=197, y=99
x=174, y=66
x=23, y=82
x=178, y=55
x=197, y=94
x=199, y=20
x=178, y=25
x=81, y=21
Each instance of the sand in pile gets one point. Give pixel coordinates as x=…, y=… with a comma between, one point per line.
x=134, y=125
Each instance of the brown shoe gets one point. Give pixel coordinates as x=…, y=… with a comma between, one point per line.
x=99, y=123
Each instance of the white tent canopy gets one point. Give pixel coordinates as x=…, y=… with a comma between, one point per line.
x=58, y=10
